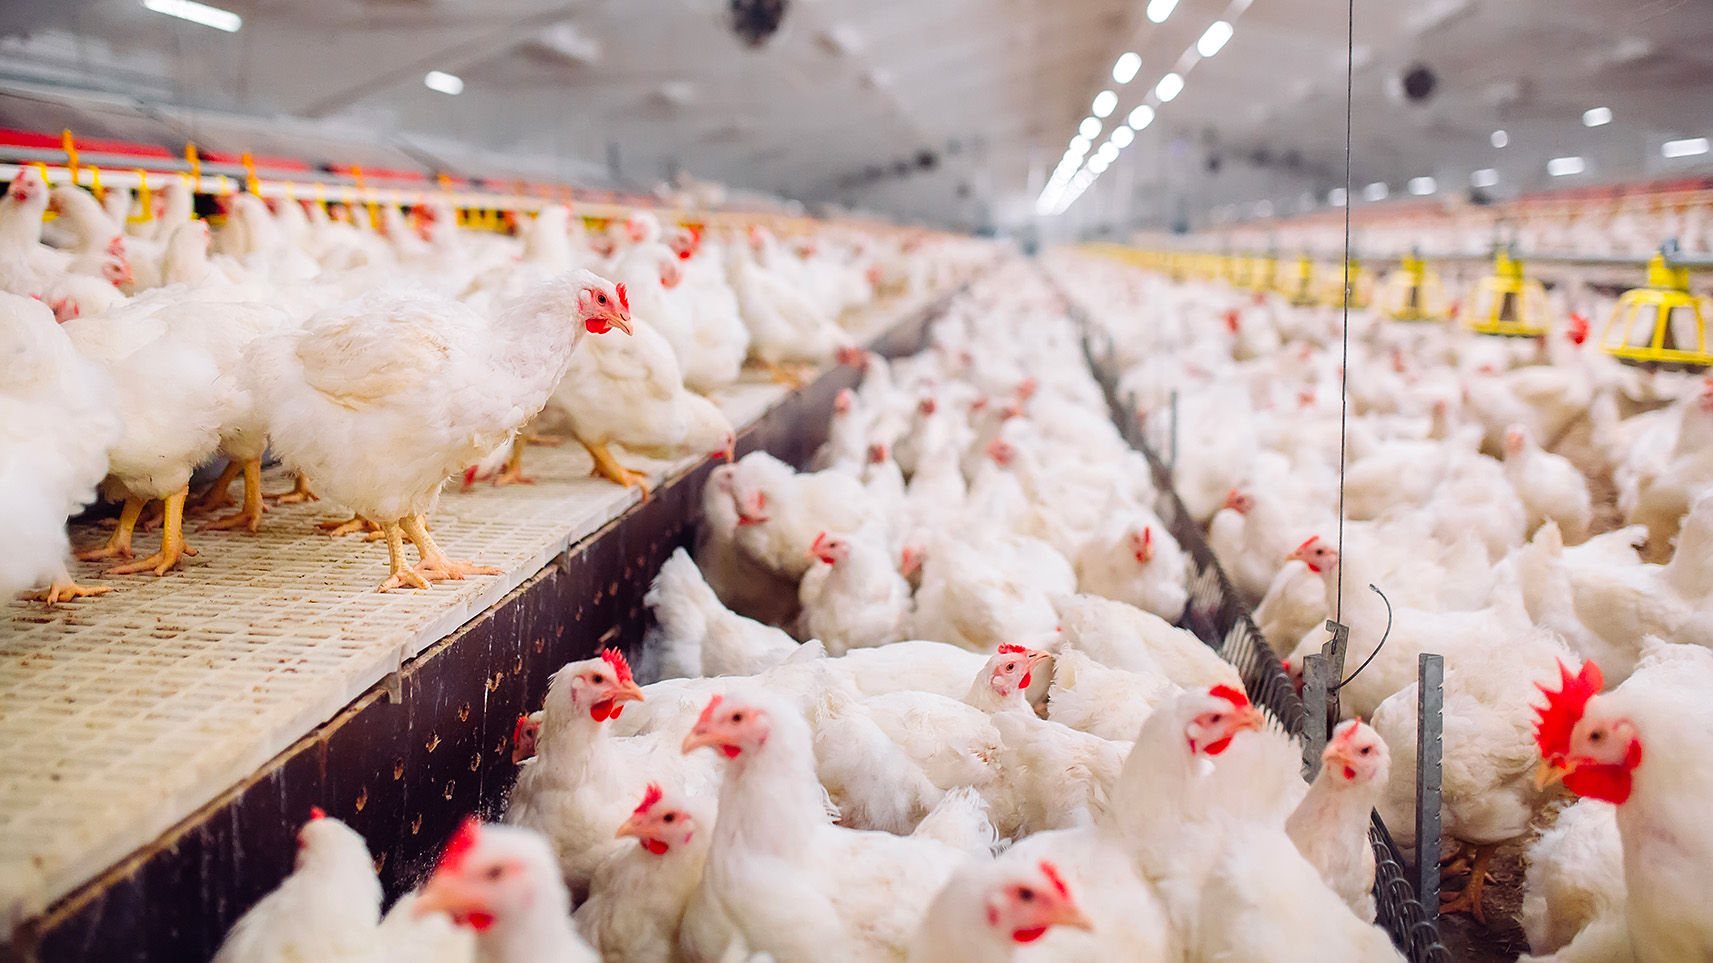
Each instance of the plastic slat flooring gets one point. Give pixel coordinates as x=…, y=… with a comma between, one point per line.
x=121, y=714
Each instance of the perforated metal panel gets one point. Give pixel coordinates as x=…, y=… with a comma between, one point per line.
x=121, y=714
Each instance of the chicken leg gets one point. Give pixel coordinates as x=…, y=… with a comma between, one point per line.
x=119, y=543
x=608, y=467
x=173, y=547
x=248, y=517
x=402, y=574
x=436, y=566
x=64, y=589
x=512, y=472
x=217, y=495
x=300, y=492
x=1469, y=900
x=350, y=526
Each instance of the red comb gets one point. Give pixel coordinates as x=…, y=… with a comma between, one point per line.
x=1311, y=540
x=1564, y=707
x=459, y=846
x=1346, y=730
x=1234, y=696
x=1147, y=534
x=1012, y=647
x=616, y=659
x=820, y=540
x=624, y=299
x=316, y=812
x=708, y=712
x=650, y=797
x=1052, y=873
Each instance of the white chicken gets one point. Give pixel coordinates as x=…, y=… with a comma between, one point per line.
x=638, y=895
x=990, y=908
x=501, y=881
x=697, y=635
x=328, y=908
x=854, y=598
x=1330, y=825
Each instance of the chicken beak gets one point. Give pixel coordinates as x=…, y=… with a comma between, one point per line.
x=1549, y=773
x=698, y=738
x=442, y=894
x=626, y=692
x=622, y=323
x=631, y=827
x=1069, y=914
x=1037, y=657
x=1251, y=719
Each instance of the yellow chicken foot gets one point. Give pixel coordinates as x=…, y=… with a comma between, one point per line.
x=512, y=473
x=350, y=526
x=608, y=467
x=435, y=565
x=64, y=590
x=152, y=515
x=173, y=547
x=402, y=574
x=544, y=441
x=300, y=492
x=119, y=543
x=250, y=516
x=1469, y=901
x=782, y=375
x=217, y=495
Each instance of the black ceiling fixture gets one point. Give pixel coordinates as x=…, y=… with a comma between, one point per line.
x=756, y=21
x=1418, y=83
x=927, y=160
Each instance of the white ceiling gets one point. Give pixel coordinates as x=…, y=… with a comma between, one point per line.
x=844, y=102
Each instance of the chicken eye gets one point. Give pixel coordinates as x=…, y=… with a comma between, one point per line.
x=597, y=678
x=601, y=298
x=737, y=717
x=1011, y=667
x=495, y=872
x=669, y=817
x=1367, y=749
x=1026, y=894
x=1596, y=736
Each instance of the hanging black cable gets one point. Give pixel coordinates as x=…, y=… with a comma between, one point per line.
x=1344, y=366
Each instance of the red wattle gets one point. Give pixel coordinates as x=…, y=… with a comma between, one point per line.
x=602, y=710
x=1029, y=935
x=731, y=751
x=1215, y=748
x=655, y=846
x=1025, y=683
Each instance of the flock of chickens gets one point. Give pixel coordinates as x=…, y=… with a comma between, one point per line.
x=377, y=358
x=1466, y=491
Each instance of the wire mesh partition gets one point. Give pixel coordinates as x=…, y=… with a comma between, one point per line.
x=1219, y=619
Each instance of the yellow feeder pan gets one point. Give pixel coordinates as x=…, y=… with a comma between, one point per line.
x=1300, y=288
x=1332, y=286
x=1508, y=304
x=1661, y=325
x=1413, y=293
x=1262, y=273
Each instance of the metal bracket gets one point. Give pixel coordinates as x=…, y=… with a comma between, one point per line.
x=1172, y=461
x=1334, y=649
x=1318, y=679
x=1430, y=744
x=393, y=685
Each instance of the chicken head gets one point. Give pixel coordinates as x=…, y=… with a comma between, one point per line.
x=1592, y=748
x=732, y=727
x=603, y=306
x=598, y=686
x=1357, y=753
x=1316, y=554
x=1026, y=903
x=1220, y=716
x=486, y=875
x=1012, y=669
x=659, y=824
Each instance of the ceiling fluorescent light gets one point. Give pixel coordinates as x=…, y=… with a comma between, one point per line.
x=1597, y=117
x=1499, y=138
x=1104, y=102
x=197, y=13
x=444, y=82
x=1079, y=145
x=1689, y=147
x=1376, y=191
x=1423, y=186
x=1122, y=136
x=1214, y=39
x=1563, y=166
x=1335, y=197
x=1485, y=177
x=1169, y=87
x=1089, y=128
x=1124, y=71
x=1141, y=117
x=1159, y=10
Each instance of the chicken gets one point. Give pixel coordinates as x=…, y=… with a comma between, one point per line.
x=854, y=598
x=1125, y=637
x=1330, y=825
x=1101, y=700
x=327, y=909
x=988, y=909
x=1141, y=565
x=502, y=882
x=979, y=594
x=781, y=879
x=1641, y=748
x=381, y=400
x=1575, y=876
x=638, y=896
x=785, y=326
x=58, y=417
x=583, y=780
x=1250, y=537
x=1552, y=489
x=695, y=635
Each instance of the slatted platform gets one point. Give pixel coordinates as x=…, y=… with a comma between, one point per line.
x=123, y=714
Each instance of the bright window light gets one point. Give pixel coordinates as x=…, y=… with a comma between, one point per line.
x=1169, y=86
x=1122, y=136
x=1090, y=128
x=1563, y=166
x=1423, y=186
x=197, y=13
x=1159, y=10
x=1499, y=138
x=1335, y=197
x=1214, y=38
x=1104, y=102
x=1376, y=191
x=1079, y=145
x=1124, y=71
x=444, y=82
x=1684, y=148
x=1141, y=117
x=1485, y=177
x=1597, y=117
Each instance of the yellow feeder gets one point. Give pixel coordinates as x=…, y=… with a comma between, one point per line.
x=1332, y=285
x=1508, y=304
x=1300, y=289
x=1264, y=270
x=1413, y=293
x=1661, y=325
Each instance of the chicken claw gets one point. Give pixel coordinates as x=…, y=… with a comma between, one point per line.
x=545, y=441
x=608, y=467
x=512, y=472
x=119, y=543
x=217, y=495
x=173, y=547
x=402, y=574
x=64, y=590
x=1469, y=901
x=350, y=526
x=250, y=515
x=436, y=566
x=300, y=492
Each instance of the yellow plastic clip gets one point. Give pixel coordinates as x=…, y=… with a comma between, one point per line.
x=95, y=184
x=195, y=162
x=321, y=195
x=70, y=146
x=251, y=184
x=145, y=199
x=42, y=169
